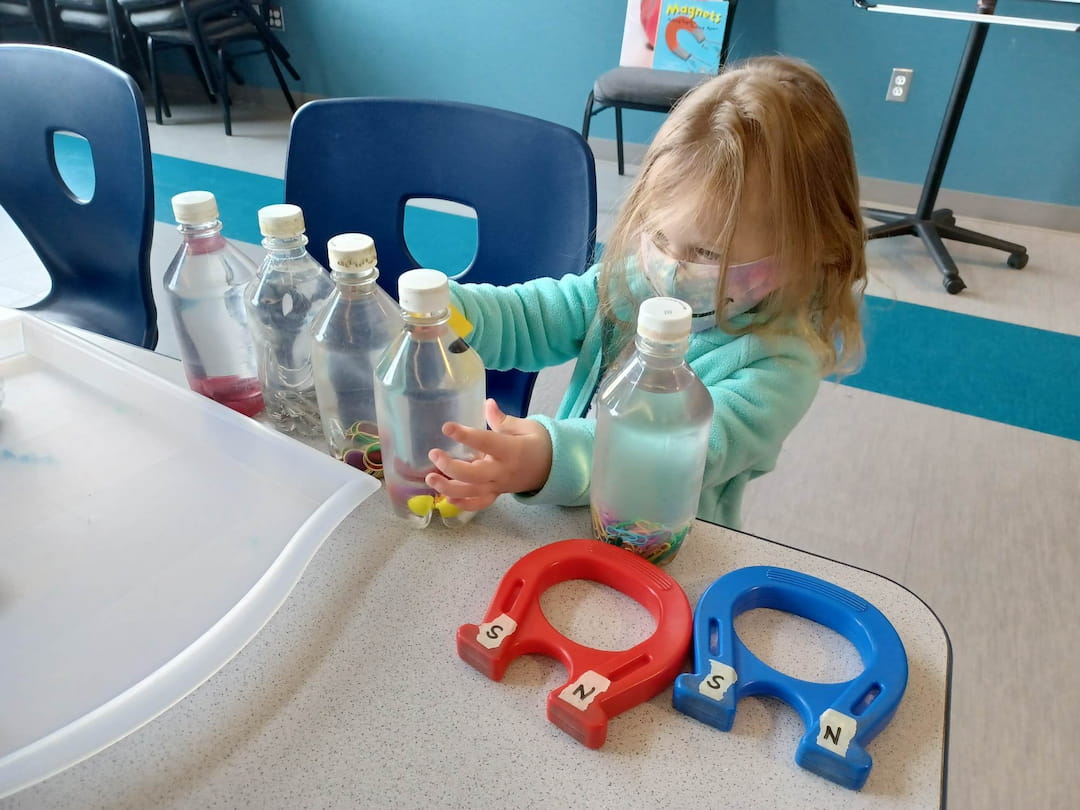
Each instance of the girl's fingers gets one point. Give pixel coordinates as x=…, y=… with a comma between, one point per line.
x=454, y=489
x=473, y=504
x=472, y=471
x=485, y=441
x=500, y=422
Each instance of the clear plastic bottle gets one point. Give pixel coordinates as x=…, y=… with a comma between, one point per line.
x=427, y=377
x=351, y=335
x=282, y=303
x=205, y=285
x=652, y=434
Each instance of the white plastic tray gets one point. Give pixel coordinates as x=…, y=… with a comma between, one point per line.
x=146, y=535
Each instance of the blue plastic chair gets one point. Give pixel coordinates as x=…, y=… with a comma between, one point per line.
x=97, y=252
x=354, y=163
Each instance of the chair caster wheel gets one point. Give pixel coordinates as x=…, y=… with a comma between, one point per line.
x=1018, y=261
x=953, y=285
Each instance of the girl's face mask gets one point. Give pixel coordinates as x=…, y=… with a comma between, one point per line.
x=696, y=283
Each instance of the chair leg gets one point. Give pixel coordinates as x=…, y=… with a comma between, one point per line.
x=223, y=88
x=268, y=37
x=49, y=12
x=588, y=115
x=128, y=33
x=881, y=215
x=117, y=47
x=280, y=79
x=618, y=137
x=971, y=237
x=201, y=53
x=196, y=67
x=902, y=227
x=155, y=82
x=939, y=253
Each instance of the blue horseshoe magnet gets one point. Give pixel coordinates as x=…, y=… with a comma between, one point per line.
x=840, y=718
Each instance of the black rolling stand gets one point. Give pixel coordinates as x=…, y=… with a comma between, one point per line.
x=932, y=226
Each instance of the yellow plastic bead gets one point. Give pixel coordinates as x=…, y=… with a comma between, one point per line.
x=421, y=504
x=447, y=509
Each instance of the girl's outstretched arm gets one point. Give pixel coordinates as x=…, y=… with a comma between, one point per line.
x=528, y=326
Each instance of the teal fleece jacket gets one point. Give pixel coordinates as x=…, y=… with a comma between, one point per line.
x=760, y=386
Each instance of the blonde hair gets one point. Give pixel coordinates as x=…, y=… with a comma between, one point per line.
x=774, y=117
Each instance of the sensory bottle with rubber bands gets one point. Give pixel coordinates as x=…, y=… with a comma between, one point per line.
x=652, y=435
x=350, y=336
x=205, y=285
x=427, y=377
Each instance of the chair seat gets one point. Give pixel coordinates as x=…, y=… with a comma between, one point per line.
x=87, y=20
x=170, y=16
x=16, y=10
x=214, y=33
x=645, y=86
x=84, y=5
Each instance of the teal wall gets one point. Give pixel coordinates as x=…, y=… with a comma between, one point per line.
x=1020, y=135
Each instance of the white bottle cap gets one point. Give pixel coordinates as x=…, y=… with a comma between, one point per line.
x=194, y=207
x=664, y=319
x=282, y=221
x=351, y=253
x=423, y=291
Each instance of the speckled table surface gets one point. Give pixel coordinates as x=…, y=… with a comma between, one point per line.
x=353, y=694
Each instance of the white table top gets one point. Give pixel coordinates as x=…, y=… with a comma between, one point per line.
x=353, y=694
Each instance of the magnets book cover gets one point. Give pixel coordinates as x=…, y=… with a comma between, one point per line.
x=690, y=36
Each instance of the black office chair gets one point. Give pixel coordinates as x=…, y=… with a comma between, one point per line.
x=209, y=31
x=642, y=88
x=25, y=16
x=354, y=163
x=96, y=251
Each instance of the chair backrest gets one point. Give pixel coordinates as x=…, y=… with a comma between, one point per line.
x=97, y=252
x=354, y=163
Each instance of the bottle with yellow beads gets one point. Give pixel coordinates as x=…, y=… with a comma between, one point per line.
x=428, y=376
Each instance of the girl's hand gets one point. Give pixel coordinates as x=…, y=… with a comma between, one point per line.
x=514, y=456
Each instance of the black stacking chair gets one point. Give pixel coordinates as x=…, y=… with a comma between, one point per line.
x=210, y=31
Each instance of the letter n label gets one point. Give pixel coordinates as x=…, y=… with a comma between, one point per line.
x=582, y=692
x=836, y=731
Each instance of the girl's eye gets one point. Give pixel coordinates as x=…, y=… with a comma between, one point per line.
x=701, y=254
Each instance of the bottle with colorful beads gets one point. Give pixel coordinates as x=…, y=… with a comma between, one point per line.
x=282, y=303
x=205, y=285
x=427, y=377
x=652, y=436
x=350, y=336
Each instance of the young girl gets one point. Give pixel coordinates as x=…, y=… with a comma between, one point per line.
x=747, y=208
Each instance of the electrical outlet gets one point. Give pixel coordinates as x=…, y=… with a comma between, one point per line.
x=275, y=18
x=899, y=84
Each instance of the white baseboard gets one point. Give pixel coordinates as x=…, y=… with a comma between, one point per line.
x=905, y=197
